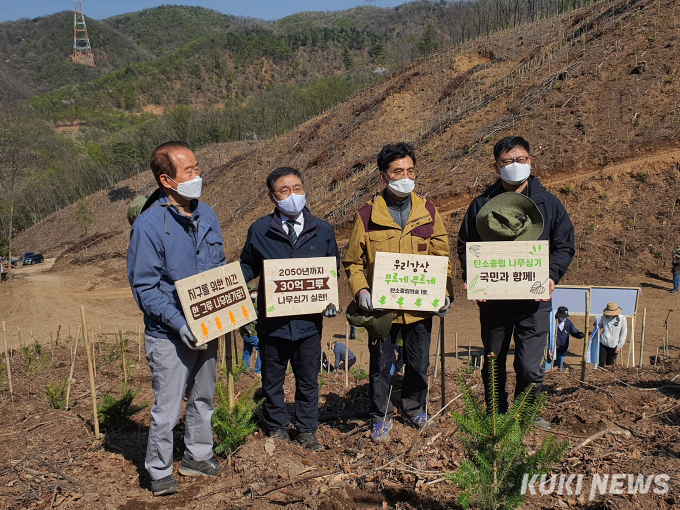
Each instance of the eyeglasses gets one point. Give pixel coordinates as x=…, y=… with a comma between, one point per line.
x=521, y=160
x=285, y=192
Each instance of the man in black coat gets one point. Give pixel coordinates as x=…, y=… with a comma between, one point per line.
x=289, y=232
x=529, y=321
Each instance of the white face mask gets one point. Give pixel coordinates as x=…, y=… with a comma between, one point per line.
x=516, y=173
x=293, y=205
x=190, y=189
x=402, y=188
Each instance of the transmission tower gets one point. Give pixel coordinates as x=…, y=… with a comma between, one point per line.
x=82, y=51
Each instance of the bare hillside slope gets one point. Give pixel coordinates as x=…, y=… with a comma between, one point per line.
x=595, y=92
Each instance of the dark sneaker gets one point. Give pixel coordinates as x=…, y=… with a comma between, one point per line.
x=352, y=337
x=381, y=431
x=674, y=291
x=541, y=423
x=190, y=467
x=165, y=486
x=309, y=441
x=422, y=421
x=280, y=434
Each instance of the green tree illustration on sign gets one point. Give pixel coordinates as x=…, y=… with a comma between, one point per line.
x=419, y=302
x=400, y=301
x=382, y=300
x=435, y=303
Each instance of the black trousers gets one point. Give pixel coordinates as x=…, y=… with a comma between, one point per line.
x=608, y=355
x=351, y=362
x=416, y=350
x=530, y=331
x=304, y=358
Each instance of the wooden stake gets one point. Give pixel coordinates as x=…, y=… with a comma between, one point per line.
x=9, y=369
x=223, y=354
x=93, y=391
x=122, y=351
x=469, y=352
x=436, y=357
x=585, y=338
x=456, y=346
x=346, y=354
x=100, y=339
x=56, y=342
x=139, y=347
x=443, y=360
x=70, y=376
x=642, y=335
x=230, y=369
x=94, y=358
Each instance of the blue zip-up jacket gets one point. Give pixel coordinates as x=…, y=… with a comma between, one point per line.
x=267, y=240
x=166, y=246
x=562, y=341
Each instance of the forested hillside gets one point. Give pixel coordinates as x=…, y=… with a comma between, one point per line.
x=216, y=79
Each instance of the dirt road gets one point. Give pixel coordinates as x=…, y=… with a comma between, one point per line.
x=39, y=301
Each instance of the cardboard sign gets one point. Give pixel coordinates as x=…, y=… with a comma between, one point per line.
x=402, y=281
x=300, y=286
x=508, y=270
x=216, y=302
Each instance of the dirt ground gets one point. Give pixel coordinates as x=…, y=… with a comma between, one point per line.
x=51, y=457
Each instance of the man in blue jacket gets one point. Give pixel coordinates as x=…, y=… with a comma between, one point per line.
x=175, y=237
x=528, y=321
x=289, y=232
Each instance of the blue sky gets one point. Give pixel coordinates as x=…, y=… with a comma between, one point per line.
x=99, y=9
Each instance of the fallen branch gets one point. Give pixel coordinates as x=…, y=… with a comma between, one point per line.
x=54, y=496
x=298, y=479
x=616, y=432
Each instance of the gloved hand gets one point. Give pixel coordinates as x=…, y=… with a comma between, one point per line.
x=444, y=309
x=365, y=301
x=581, y=335
x=249, y=329
x=332, y=311
x=190, y=340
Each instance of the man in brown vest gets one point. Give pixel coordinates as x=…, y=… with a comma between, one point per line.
x=398, y=221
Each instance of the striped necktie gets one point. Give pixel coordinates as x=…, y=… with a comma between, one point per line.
x=291, y=231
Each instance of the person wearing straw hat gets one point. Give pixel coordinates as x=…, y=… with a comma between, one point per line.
x=613, y=333
x=517, y=207
x=676, y=270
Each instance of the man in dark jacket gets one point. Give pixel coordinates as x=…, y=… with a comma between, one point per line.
x=289, y=232
x=177, y=236
x=565, y=329
x=529, y=320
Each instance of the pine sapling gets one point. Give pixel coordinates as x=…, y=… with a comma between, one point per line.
x=496, y=458
x=115, y=413
x=231, y=426
x=56, y=394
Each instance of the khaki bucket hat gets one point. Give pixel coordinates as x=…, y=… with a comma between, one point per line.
x=612, y=309
x=377, y=322
x=510, y=217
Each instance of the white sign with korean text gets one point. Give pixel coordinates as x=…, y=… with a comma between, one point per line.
x=216, y=302
x=508, y=270
x=402, y=281
x=300, y=286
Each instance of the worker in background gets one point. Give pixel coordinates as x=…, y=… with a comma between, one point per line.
x=676, y=270
x=565, y=329
x=613, y=333
x=339, y=349
x=248, y=333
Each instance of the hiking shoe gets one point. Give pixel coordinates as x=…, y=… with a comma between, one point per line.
x=165, y=486
x=280, y=434
x=190, y=467
x=674, y=291
x=309, y=441
x=381, y=431
x=541, y=423
x=422, y=421
x=352, y=337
